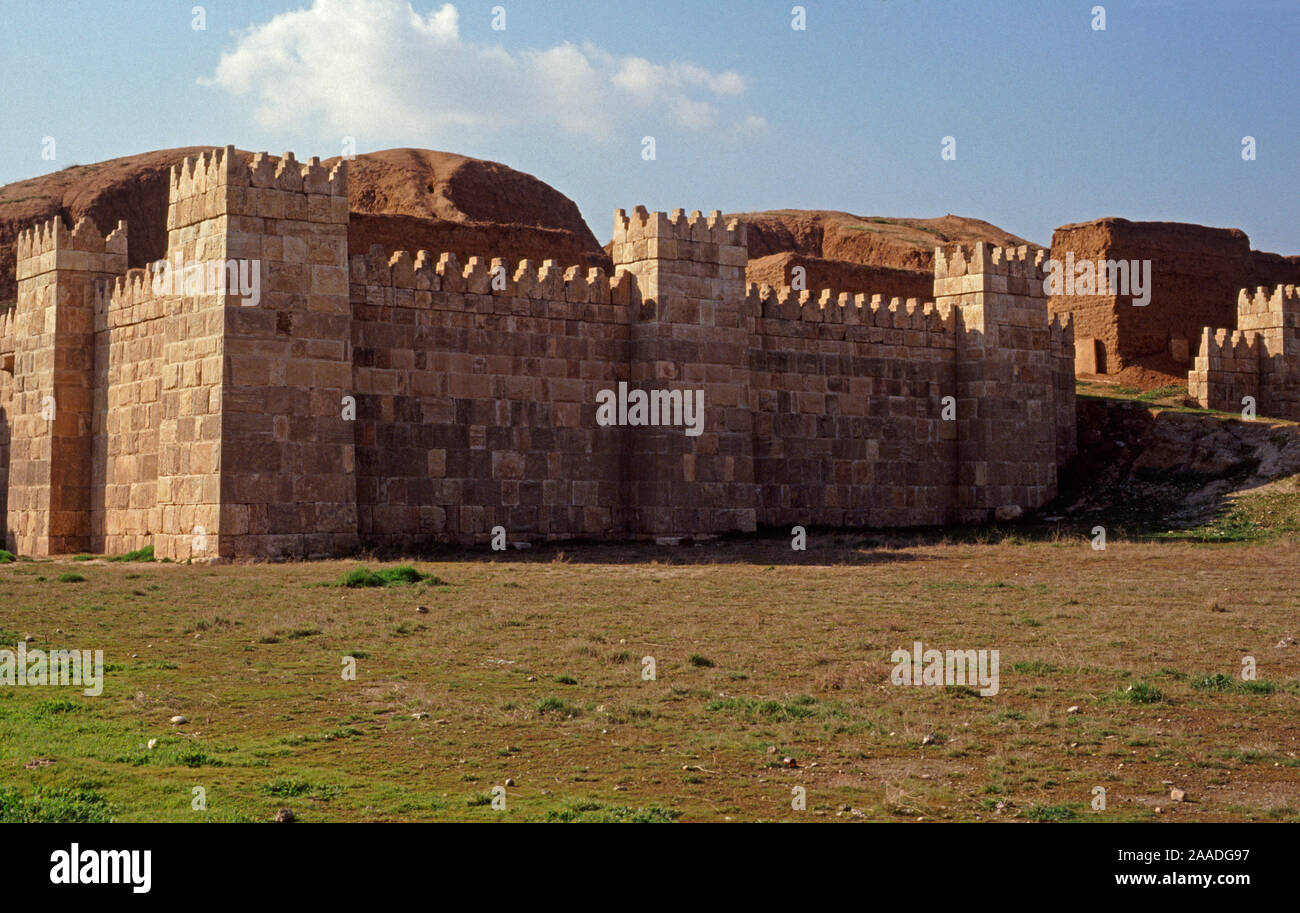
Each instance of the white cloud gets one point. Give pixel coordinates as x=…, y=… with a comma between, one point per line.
x=378, y=68
x=751, y=124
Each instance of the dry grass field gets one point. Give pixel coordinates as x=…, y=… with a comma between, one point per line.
x=772, y=672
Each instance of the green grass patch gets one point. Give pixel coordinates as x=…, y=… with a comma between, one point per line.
x=1142, y=693
x=554, y=706
x=1051, y=813
x=295, y=788
x=770, y=711
x=53, y=805
x=595, y=813
x=1226, y=683
x=393, y=576
x=140, y=554
x=1034, y=667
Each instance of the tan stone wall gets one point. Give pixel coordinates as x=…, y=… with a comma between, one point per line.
x=1010, y=359
x=392, y=400
x=476, y=406
x=188, y=499
x=6, y=411
x=692, y=329
x=287, y=461
x=129, y=336
x=1260, y=360
x=848, y=398
x=49, y=425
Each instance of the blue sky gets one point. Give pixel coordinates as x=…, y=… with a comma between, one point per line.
x=1054, y=122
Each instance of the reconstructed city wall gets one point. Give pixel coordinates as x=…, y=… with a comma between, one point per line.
x=49, y=413
x=475, y=405
x=1261, y=359
x=395, y=399
x=6, y=410
x=848, y=402
x=129, y=336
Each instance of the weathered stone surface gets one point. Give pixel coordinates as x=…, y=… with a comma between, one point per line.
x=391, y=398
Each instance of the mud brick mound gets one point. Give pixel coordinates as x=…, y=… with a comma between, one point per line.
x=893, y=257
x=404, y=199
x=1196, y=274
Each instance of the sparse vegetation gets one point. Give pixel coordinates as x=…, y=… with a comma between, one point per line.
x=140, y=554
x=403, y=574
x=249, y=655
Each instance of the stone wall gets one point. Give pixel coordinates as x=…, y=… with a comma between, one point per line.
x=392, y=399
x=129, y=337
x=847, y=395
x=1015, y=390
x=692, y=328
x=287, y=459
x=49, y=416
x=475, y=406
x=1259, y=360
x=6, y=412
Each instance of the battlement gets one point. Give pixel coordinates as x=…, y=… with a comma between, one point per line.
x=220, y=183
x=477, y=384
x=51, y=236
x=1061, y=332
x=1218, y=344
x=828, y=306
x=1260, y=359
x=7, y=339
x=196, y=175
x=422, y=273
x=985, y=259
x=1264, y=309
x=643, y=225
x=134, y=287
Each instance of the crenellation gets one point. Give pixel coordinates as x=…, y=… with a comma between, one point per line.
x=1259, y=360
x=213, y=427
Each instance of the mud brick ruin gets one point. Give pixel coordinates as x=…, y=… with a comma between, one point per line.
x=1196, y=274
x=212, y=428
x=1261, y=359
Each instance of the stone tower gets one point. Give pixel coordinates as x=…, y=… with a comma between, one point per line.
x=691, y=330
x=60, y=274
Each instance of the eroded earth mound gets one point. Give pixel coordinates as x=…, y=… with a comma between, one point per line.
x=401, y=199
x=848, y=253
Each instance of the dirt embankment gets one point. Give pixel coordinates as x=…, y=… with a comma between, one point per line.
x=471, y=239
x=776, y=270
x=1171, y=467
x=420, y=199
x=132, y=188
x=857, y=254
x=868, y=240
x=408, y=199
